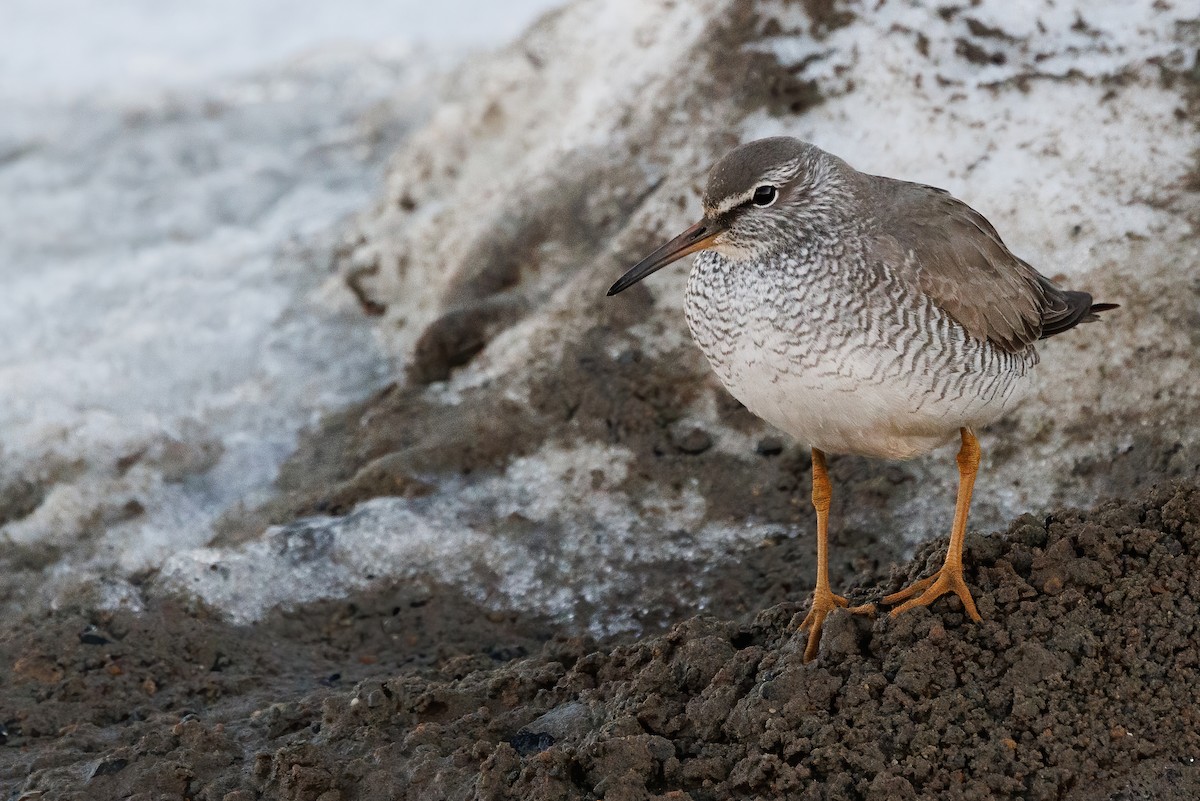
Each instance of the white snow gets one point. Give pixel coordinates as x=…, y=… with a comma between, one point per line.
x=553, y=534
x=67, y=48
x=173, y=181
x=161, y=346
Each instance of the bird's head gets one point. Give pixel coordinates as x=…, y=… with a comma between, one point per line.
x=759, y=193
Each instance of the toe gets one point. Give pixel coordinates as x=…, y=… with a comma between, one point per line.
x=912, y=603
x=911, y=590
x=968, y=602
x=814, y=644
x=822, y=604
x=937, y=586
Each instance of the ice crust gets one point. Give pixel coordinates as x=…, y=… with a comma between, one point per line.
x=164, y=340
x=172, y=192
x=553, y=534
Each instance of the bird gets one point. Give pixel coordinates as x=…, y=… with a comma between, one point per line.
x=862, y=315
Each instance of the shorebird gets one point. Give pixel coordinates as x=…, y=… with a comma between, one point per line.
x=862, y=315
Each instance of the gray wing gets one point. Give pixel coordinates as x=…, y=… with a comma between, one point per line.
x=961, y=263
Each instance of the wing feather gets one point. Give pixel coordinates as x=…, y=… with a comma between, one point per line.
x=956, y=258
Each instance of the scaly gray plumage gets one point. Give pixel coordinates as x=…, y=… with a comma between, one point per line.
x=863, y=315
x=848, y=269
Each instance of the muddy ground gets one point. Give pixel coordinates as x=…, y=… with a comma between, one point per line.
x=1079, y=684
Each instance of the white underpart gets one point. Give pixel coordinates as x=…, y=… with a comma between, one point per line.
x=852, y=413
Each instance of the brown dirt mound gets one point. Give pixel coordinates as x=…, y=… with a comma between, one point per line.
x=1079, y=684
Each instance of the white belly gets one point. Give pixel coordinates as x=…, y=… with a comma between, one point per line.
x=848, y=404
x=846, y=371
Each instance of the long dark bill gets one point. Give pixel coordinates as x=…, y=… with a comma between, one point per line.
x=698, y=237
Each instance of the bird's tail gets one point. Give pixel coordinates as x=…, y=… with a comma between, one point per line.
x=1079, y=309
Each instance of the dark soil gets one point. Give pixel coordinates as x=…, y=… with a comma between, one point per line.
x=1079, y=684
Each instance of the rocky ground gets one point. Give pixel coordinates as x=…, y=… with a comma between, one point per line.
x=483, y=580
x=1079, y=684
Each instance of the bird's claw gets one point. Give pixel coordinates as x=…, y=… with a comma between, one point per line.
x=948, y=579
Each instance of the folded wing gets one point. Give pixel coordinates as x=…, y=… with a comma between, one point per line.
x=956, y=258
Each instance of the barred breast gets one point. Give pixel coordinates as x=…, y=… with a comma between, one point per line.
x=842, y=355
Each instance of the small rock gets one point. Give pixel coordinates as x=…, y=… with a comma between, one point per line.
x=239, y=795
x=769, y=446
x=526, y=743
x=571, y=722
x=109, y=767
x=691, y=440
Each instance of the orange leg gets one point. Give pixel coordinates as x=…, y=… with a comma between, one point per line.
x=950, y=577
x=823, y=601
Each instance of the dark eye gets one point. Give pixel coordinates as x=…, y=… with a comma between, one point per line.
x=765, y=195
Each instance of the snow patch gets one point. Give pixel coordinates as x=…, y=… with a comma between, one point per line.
x=164, y=338
x=554, y=534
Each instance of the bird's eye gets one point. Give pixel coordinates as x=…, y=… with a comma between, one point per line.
x=765, y=195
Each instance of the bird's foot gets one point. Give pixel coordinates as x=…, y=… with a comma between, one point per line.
x=948, y=579
x=824, y=602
